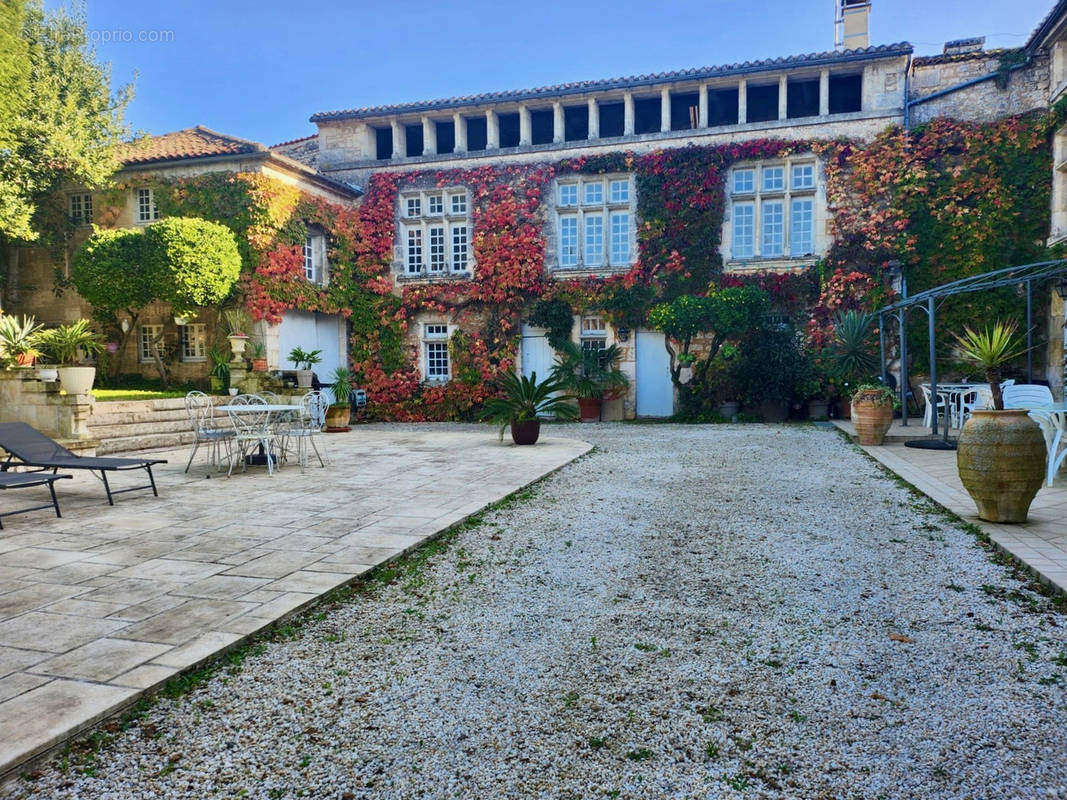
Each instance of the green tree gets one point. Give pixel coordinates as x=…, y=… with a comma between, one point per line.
x=61, y=121
x=185, y=262
x=721, y=315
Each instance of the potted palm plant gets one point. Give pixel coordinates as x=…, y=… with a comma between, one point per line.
x=521, y=403
x=258, y=352
x=304, y=360
x=337, y=415
x=591, y=375
x=70, y=345
x=18, y=338
x=1000, y=454
x=852, y=352
x=219, y=377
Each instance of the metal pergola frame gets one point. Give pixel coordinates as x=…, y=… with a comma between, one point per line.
x=1025, y=275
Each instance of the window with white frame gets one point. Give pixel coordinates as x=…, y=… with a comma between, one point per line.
x=593, y=334
x=193, y=341
x=314, y=252
x=148, y=342
x=435, y=343
x=772, y=209
x=594, y=222
x=146, y=206
x=435, y=232
x=81, y=209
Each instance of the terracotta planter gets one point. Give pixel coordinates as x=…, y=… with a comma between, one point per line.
x=337, y=419
x=25, y=359
x=589, y=408
x=525, y=432
x=1001, y=459
x=871, y=420
x=77, y=380
x=259, y=365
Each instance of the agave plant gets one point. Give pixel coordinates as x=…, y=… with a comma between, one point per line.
x=18, y=337
x=523, y=399
x=990, y=349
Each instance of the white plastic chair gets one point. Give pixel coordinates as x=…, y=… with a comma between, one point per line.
x=201, y=413
x=980, y=397
x=252, y=430
x=928, y=418
x=1029, y=396
x=306, y=429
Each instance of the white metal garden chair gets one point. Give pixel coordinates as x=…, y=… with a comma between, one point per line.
x=306, y=429
x=201, y=413
x=252, y=431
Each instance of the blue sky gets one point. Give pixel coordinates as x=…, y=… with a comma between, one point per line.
x=260, y=69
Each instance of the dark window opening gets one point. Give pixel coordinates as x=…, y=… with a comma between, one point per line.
x=477, y=132
x=802, y=99
x=509, y=129
x=446, y=137
x=846, y=93
x=647, y=117
x=413, y=139
x=541, y=123
x=685, y=111
x=762, y=103
x=575, y=123
x=383, y=143
x=722, y=106
x=612, y=119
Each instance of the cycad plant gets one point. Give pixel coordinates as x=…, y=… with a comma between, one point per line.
x=990, y=349
x=853, y=352
x=523, y=399
x=590, y=372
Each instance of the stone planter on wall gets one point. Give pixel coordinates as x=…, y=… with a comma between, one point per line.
x=77, y=380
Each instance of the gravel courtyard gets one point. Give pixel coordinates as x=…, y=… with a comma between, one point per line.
x=687, y=612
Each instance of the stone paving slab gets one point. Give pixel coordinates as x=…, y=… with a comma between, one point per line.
x=1040, y=542
x=108, y=603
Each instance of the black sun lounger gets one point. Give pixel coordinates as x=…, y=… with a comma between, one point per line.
x=15, y=480
x=30, y=448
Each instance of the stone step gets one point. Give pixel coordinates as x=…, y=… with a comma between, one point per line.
x=127, y=406
x=154, y=441
x=140, y=428
x=135, y=417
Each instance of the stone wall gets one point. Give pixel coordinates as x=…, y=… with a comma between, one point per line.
x=1025, y=89
x=42, y=405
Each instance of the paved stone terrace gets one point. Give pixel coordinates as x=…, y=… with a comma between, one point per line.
x=106, y=603
x=1040, y=542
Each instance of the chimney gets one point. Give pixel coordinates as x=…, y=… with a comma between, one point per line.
x=852, y=24
x=961, y=46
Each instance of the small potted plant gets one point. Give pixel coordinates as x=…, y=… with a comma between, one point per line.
x=872, y=412
x=70, y=344
x=591, y=375
x=337, y=415
x=304, y=360
x=521, y=403
x=1001, y=452
x=18, y=340
x=219, y=377
x=258, y=351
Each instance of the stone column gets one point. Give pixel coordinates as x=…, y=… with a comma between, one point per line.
x=558, y=130
x=742, y=102
x=824, y=92
x=664, y=110
x=702, y=112
x=525, y=127
x=429, y=137
x=594, y=119
x=492, y=130
x=628, y=114
x=783, y=97
x=400, y=142
x=461, y=132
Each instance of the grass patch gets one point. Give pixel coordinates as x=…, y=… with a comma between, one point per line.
x=114, y=395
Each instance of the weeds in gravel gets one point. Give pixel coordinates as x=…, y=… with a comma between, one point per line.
x=711, y=750
x=596, y=742
x=569, y=699
x=711, y=714
x=738, y=782
x=640, y=754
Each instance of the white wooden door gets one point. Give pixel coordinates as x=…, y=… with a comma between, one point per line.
x=655, y=392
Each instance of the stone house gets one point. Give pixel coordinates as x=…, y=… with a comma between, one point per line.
x=187, y=153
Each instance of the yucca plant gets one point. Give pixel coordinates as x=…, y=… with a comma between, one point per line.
x=524, y=399
x=18, y=337
x=853, y=351
x=990, y=349
x=69, y=344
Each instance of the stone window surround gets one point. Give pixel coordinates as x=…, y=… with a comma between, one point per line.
x=434, y=346
x=80, y=208
x=419, y=218
x=316, y=267
x=145, y=209
x=195, y=334
x=147, y=339
x=754, y=200
x=606, y=208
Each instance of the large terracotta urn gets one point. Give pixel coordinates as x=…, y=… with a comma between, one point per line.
x=872, y=417
x=1001, y=460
